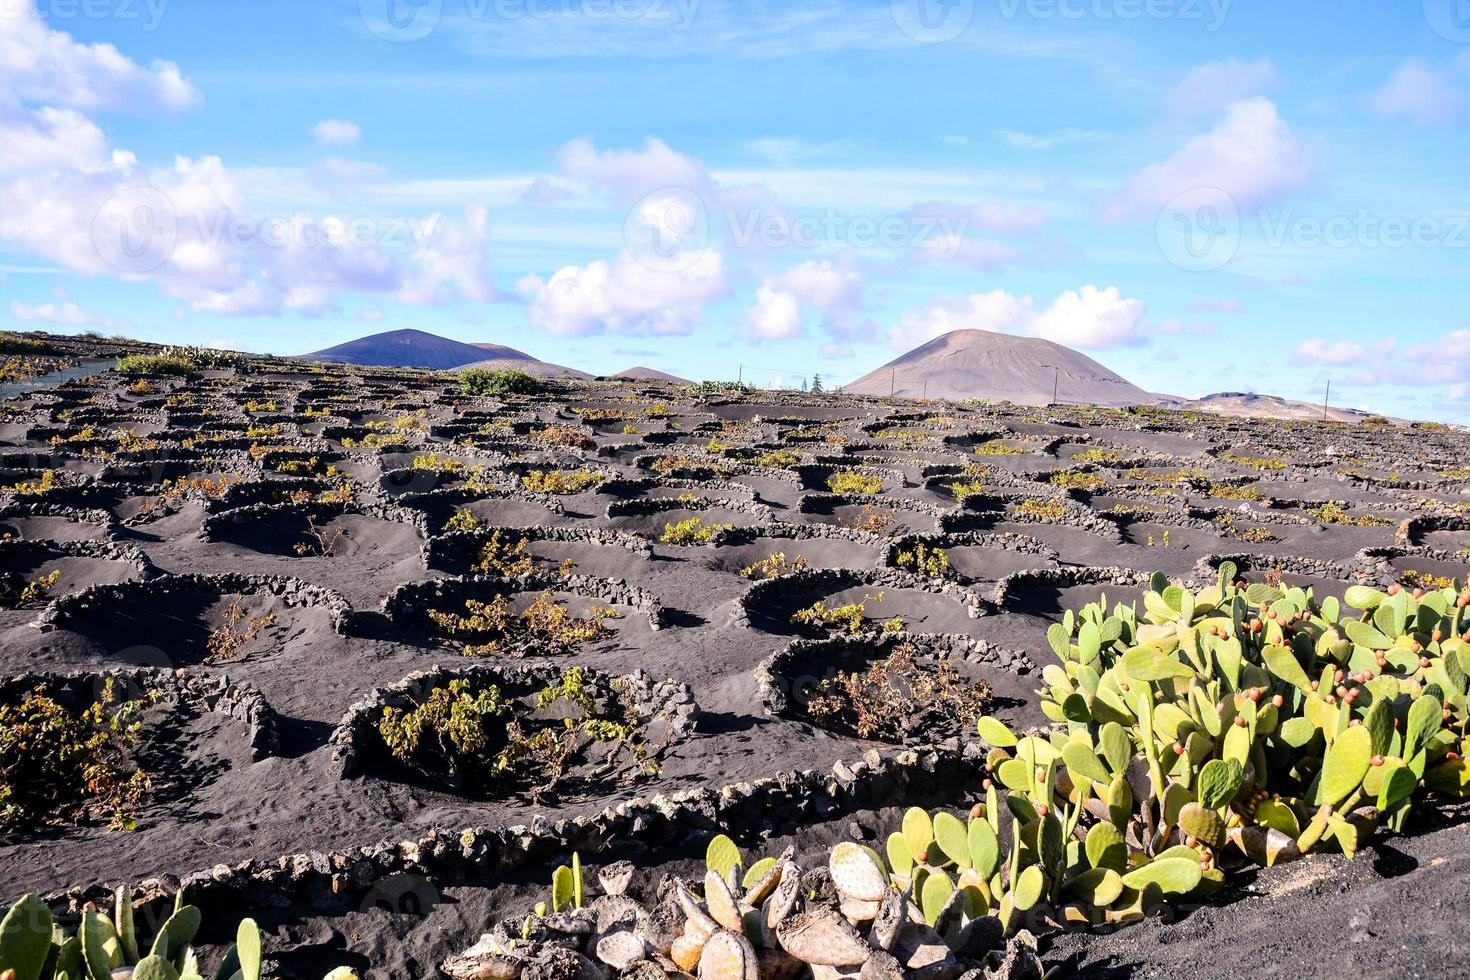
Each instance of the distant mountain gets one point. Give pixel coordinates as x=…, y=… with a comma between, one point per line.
x=649, y=374
x=1248, y=404
x=980, y=364
x=417, y=349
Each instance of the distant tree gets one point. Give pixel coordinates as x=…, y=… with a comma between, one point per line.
x=803, y=384
x=817, y=384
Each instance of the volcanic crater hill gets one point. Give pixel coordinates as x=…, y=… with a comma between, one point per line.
x=649, y=374
x=313, y=519
x=999, y=367
x=418, y=349
x=1249, y=404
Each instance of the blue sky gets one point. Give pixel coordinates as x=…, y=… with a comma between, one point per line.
x=1204, y=195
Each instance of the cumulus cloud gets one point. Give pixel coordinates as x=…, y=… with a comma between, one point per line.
x=625, y=295
x=38, y=64
x=93, y=208
x=1252, y=155
x=831, y=290
x=631, y=174
x=1211, y=88
x=1089, y=318
x=61, y=311
x=1330, y=353
x=1419, y=94
x=336, y=132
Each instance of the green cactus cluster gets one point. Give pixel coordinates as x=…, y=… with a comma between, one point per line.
x=1269, y=723
x=107, y=946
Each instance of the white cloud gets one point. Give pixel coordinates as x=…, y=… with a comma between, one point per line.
x=336, y=132
x=1418, y=94
x=1331, y=353
x=61, y=312
x=625, y=296
x=38, y=64
x=631, y=174
x=1090, y=318
x=1211, y=88
x=1036, y=142
x=789, y=151
x=835, y=291
x=1251, y=155
x=997, y=311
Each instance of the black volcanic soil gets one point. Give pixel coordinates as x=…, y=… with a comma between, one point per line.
x=1391, y=912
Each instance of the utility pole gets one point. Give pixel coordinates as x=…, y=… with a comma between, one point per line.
x=740, y=375
x=926, y=389
x=1056, y=383
x=892, y=380
x=1325, y=399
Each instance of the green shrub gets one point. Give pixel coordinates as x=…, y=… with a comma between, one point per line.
x=58, y=763
x=500, y=381
x=14, y=343
x=853, y=482
x=156, y=364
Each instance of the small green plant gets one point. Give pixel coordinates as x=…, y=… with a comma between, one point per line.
x=463, y=520
x=854, y=482
x=997, y=448
x=821, y=619
x=1077, y=480
x=1258, y=463
x=1044, y=510
x=778, y=459
x=486, y=381
x=1331, y=513
x=500, y=557
x=473, y=737
x=926, y=561
x=58, y=763
x=157, y=364
x=17, y=593
x=898, y=696
x=963, y=490
x=776, y=564
x=1102, y=457
x=561, y=482
x=690, y=531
